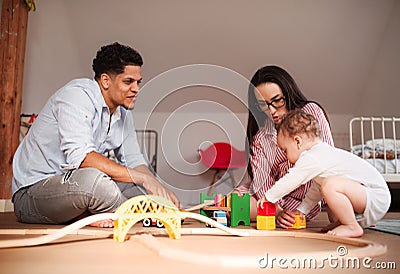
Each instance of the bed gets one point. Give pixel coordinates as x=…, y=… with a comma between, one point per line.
x=148, y=142
x=376, y=139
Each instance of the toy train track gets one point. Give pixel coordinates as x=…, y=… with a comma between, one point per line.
x=140, y=207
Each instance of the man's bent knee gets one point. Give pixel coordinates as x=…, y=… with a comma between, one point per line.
x=102, y=192
x=84, y=177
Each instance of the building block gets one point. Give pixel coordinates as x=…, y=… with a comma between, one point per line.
x=300, y=223
x=266, y=222
x=228, y=201
x=240, y=209
x=205, y=198
x=219, y=200
x=269, y=209
x=220, y=217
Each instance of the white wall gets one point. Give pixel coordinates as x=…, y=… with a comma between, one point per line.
x=332, y=48
x=181, y=134
x=343, y=54
x=383, y=80
x=52, y=55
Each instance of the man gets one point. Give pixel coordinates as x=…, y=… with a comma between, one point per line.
x=60, y=171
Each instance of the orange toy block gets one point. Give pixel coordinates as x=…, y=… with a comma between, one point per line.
x=300, y=223
x=266, y=222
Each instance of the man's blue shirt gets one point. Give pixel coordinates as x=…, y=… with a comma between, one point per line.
x=74, y=122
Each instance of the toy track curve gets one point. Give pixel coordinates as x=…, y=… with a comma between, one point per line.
x=74, y=228
x=363, y=247
x=54, y=234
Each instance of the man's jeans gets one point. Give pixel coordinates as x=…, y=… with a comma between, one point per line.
x=66, y=197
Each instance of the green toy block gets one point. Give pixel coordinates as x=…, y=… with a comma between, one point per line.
x=240, y=209
x=204, y=198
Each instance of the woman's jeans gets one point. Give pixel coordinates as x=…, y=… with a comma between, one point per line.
x=67, y=197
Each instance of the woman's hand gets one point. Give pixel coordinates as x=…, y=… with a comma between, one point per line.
x=237, y=192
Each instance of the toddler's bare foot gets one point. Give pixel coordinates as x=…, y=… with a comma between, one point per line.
x=330, y=226
x=351, y=230
x=103, y=223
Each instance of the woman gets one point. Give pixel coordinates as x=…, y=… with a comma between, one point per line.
x=272, y=93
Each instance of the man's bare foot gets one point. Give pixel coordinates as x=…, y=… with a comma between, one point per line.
x=330, y=226
x=351, y=230
x=103, y=223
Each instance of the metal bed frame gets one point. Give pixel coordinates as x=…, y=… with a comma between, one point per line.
x=363, y=129
x=148, y=142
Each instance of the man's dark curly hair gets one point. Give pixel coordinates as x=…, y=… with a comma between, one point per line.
x=112, y=59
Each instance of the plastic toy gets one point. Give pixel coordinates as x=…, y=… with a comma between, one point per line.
x=204, y=198
x=147, y=206
x=300, y=223
x=149, y=222
x=266, y=222
x=240, y=209
x=220, y=217
x=266, y=216
x=268, y=209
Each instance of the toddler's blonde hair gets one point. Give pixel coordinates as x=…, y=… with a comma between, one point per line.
x=297, y=122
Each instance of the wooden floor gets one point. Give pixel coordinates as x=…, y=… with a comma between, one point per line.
x=88, y=254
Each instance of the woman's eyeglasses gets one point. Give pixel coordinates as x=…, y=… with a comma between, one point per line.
x=276, y=103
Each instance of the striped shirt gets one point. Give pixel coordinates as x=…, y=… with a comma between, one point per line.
x=269, y=163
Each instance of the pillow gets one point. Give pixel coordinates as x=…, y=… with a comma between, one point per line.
x=358, y=150
x=389, y=143
x=375, y=149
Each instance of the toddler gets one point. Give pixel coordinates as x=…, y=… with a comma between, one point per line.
x=348, y=183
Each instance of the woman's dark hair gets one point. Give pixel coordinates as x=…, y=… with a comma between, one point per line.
x=294, y=99
x=112, y=59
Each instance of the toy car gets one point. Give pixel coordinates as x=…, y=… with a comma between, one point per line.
x=150, y=222
x=220, y=217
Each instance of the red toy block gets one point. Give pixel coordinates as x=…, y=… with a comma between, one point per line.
x=269, y=209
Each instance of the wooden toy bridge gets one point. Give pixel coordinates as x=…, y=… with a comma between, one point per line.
x=147, y=206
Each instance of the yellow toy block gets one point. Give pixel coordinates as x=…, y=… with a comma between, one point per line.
x=266, y=222
x=299, y=222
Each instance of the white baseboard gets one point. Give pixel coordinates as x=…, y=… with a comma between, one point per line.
x=6, y=206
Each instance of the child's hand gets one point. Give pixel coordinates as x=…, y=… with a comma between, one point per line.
x=286, y=218
x=260, y=203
